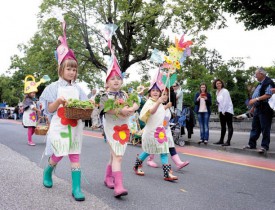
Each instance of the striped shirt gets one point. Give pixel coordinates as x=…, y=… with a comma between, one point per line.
x=49, y=95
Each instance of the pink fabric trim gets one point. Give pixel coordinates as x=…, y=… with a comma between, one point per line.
x=74, y=158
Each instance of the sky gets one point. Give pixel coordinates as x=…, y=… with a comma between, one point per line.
x=18, y=21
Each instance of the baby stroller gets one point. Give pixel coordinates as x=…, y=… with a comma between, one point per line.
x=176, y=133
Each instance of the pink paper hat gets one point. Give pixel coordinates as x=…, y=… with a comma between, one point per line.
x=157, y=82
x=113, y=69
x=63, y=52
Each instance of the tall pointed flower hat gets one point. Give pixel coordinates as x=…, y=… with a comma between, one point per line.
x=63, y=52
x=113, y=67
x=157, y=81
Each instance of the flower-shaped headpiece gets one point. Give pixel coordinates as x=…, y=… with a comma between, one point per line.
x=63, y=52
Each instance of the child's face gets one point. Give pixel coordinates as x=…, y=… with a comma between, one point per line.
x=69, y=73
x=114, y=83
x=32, y=94
x=155, y=93
x=165, y=95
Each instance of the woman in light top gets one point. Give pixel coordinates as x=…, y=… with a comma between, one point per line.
x=225, y=108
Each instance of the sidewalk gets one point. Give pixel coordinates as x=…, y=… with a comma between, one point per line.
x=239, y=140
x=22, y=188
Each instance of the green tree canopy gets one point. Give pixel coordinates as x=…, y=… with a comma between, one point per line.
x=253, y=13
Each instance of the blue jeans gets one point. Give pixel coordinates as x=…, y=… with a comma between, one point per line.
x=203, y=118
x=261, y=123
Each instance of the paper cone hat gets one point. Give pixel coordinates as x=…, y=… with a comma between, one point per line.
x=157, y=81
x=113, y=68
x=63, y=52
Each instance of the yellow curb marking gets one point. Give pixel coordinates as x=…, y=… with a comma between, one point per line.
x=227, y=161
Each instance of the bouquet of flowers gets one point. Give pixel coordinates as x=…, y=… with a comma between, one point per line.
x=118, y=104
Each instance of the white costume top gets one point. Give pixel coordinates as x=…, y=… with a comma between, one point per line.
x=116, y=130
x=154, y=138
x=64, y=135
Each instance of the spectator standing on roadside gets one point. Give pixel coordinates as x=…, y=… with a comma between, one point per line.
x=262, y=118
x=225, y=109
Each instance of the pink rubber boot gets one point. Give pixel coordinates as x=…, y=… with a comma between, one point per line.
x=109, y=180
x=119, y=189
x=176, y=159
x=151, y=162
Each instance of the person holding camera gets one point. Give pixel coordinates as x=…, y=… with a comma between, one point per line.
x=203, y=102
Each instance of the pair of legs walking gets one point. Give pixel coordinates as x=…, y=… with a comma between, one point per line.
x=175, y=157
x=114, y=177
x=75, y=171
x=168, y=176
x=30, y=133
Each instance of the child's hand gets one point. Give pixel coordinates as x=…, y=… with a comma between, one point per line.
x=61, y=100
x=169, y=105
x=135, y=107
x=161, y=100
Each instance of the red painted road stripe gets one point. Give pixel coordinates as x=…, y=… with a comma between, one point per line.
x=256, y=162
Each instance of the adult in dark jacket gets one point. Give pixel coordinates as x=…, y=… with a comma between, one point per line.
x=263, y=114
x=203, y=102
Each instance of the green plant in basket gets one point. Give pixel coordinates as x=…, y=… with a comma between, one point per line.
x=118, y=104
x=75, y=103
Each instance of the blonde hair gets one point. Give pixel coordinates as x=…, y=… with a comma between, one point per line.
x=70, y=63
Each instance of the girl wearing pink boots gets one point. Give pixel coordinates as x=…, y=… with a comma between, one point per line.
x=30, y=110
x=116, y=128
x=154, y=137
x=65, y=135
x=175, y=157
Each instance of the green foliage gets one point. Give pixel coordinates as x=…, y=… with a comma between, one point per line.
x=8, y=91
x=253, y=13
x=118, y=104
x=79, y=104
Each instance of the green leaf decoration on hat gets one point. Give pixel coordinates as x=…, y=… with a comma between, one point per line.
x=172, y=80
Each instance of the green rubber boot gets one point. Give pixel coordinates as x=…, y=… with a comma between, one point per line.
x=76, y=188
x=47, y=176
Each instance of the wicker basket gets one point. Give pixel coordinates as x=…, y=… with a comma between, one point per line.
x=78, y=113
x=42, y=129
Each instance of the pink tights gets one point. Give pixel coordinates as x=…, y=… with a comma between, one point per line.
x=30, y=133
x=74, y=158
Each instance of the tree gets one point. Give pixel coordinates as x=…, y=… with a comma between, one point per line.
x=140, y=24
x=253, y=13
x=8, y=92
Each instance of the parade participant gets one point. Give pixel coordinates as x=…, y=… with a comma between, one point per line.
x=175, y=157
x=65, y=135
x=29, y=106
x=116, y=127
x=154, y=138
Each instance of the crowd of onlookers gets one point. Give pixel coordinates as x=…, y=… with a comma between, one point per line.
x=15, y=113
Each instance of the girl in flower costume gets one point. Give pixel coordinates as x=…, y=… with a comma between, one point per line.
x=29, y=106
x=116, y=126
x=65, y=135
x=154, y=138
x=175, y=157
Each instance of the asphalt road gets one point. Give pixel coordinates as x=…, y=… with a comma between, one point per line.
x=204, y=184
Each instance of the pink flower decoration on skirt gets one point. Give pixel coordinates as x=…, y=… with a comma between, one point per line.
x=160, y=135
x=33, y=117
